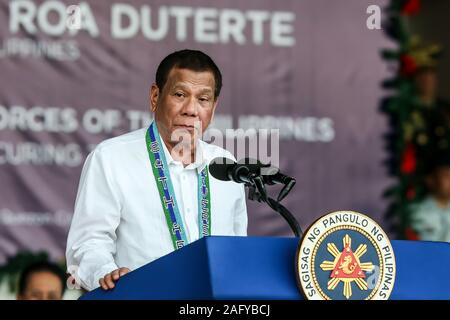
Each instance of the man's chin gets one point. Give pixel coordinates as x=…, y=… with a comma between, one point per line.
x=185, y=134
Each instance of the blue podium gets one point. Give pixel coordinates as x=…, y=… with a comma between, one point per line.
x=262, y=268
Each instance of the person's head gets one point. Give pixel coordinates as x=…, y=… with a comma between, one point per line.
x=438, y=178
x=184, y=95
x=426, y=81
x=41, y=281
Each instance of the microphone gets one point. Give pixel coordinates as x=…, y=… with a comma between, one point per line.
x=225, y=169
x=274, y=176
x=255, y=175
x=245, y=170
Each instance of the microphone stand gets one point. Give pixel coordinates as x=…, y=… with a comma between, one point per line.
x=257, y=192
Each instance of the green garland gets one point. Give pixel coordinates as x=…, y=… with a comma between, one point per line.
x=407, y=139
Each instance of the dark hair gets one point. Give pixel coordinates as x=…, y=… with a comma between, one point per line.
x=188, y=59
x=41, y=267
x=436, y=160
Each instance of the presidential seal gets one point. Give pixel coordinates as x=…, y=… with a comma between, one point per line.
x=345, y=255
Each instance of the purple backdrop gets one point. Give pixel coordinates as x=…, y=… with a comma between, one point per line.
x=308, y=67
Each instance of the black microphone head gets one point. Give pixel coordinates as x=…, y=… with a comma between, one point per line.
x=220, y=167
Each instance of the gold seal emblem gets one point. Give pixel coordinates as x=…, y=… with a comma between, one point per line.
x=345, y=255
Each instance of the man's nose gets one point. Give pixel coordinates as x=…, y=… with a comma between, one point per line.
x=190, y=108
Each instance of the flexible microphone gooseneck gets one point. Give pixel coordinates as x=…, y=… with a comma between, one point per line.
x=255, y=176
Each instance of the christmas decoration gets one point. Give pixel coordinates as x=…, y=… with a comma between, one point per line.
x=409, y=161
x=411, y=138
x=411, y=7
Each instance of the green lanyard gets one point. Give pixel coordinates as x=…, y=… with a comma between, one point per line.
x=167, y=195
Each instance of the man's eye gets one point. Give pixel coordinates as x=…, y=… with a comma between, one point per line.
x=179, y=94
x=204, y=99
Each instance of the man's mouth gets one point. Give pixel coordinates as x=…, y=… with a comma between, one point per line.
x=185, y=126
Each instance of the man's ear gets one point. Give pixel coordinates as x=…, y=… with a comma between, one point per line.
x=214, y=109
x=154, y=95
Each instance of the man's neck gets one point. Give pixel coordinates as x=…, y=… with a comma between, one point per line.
x=442, y=202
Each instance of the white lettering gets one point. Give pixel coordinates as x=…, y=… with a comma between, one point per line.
x=205, y=26
x=282, y=29
x=120, y=11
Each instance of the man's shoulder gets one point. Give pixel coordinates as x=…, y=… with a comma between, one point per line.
x=121, y=143
x=423, y=208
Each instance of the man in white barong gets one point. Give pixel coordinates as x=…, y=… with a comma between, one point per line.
x=147, y=193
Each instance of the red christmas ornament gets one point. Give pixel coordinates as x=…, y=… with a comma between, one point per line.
x=409, y=160
x=410, y=234
x=408, y=65
x=411, y=193
x=411, y=7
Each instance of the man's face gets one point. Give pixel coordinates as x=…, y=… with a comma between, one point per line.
x=442, y=181
x=185, y=106
x=42, y=285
